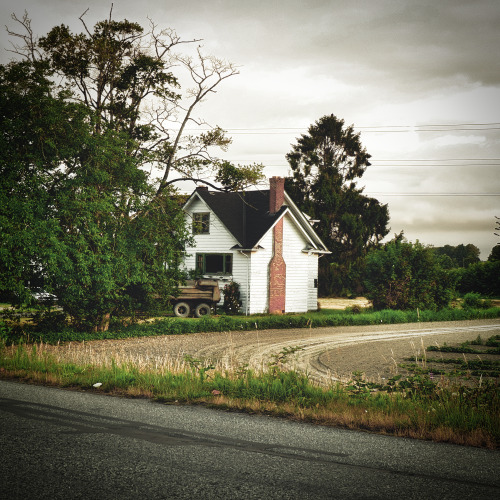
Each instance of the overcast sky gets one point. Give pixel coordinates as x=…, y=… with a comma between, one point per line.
x=419, y=79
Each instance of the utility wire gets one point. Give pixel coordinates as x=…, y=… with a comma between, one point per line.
x=430, y=127
x=372, y=193
x=377, y=165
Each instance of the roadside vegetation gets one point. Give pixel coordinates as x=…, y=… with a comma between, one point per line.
x=419, y=405
x=54, y=328
x=444, y=399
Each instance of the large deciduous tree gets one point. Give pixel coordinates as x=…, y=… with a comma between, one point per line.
x=326, y=164
x=94, y=136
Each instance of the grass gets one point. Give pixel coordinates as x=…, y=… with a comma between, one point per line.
x=479, y=358
x=415, y=406
x=426, y=404
x=176, y=326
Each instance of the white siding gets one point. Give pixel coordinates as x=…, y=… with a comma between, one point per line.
x=297, y=268
x=312, y=298
x=241, y=270
x=219, y=240
x=259, y=276
x=251, y=271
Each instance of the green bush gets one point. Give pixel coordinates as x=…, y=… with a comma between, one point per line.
x=232, y=302
x=474, y=301
x=483, y=278
x=404, y=275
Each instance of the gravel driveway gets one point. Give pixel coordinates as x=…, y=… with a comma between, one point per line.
x=326, y=354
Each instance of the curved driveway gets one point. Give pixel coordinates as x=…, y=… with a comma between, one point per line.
x=325, y=353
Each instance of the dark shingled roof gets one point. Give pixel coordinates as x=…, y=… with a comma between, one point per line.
x=245, y=214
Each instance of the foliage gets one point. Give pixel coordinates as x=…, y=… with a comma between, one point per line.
x=71, y=205
x=15, y=333
x=80, y=212
x=494, y=254
x=459, y=256
x=326, y=163
x=405, y=275
x=232, y=302
x=497, y=228
x=474, y=300
x=482, y=278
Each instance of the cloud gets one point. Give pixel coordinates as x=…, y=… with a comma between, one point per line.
x=371, y=62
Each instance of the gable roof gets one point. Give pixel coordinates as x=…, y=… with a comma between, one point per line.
x=246, y=215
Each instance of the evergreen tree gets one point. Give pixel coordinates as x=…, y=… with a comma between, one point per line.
x=326, y=164
x=495, y=253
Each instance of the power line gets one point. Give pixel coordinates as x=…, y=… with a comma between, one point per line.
x=231, y=131
x=377, y=126
x=434, y=125
x=377, y=165
x=442, y=159
x=426, y=165
x=432, y=194
x=430, y=127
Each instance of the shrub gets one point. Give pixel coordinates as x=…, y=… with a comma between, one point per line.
x=474, y=301
x=483, y=278
x=232, y=302
x=404, y=275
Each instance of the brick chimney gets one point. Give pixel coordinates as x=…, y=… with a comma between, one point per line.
x=276, y=193
x=277, y=266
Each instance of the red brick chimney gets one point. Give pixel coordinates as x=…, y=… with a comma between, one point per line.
x=276, y=193
x=277, y=266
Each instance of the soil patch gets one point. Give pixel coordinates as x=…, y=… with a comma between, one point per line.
x=325, y=354
x=343, y=303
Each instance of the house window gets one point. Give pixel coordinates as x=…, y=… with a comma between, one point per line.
x=214, y=263
x=201, y=223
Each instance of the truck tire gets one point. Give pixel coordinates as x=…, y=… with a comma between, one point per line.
x=202, y=310
x=182, y=309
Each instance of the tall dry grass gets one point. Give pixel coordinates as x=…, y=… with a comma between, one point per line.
x=416, y=407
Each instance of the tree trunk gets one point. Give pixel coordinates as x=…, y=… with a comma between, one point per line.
x=103, y=326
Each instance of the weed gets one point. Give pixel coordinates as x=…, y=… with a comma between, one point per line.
x=280, y=359
x=198, y=366
x=493, y=341
x=477, y=341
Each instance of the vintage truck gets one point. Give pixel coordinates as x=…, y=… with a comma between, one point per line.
x=197, y=297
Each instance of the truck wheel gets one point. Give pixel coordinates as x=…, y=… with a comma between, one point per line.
x=202, y=310
x=182, y=309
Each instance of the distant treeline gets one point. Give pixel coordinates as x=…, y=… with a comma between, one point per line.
x=458, y=256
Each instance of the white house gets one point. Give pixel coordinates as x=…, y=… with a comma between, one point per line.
x=260, y=240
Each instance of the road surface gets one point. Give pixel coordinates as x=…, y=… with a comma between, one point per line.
x=59, y=444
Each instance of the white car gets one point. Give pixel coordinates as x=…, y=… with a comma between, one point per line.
x=43, y=297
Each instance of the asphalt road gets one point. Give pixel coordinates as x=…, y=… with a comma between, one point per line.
x=63, y=444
